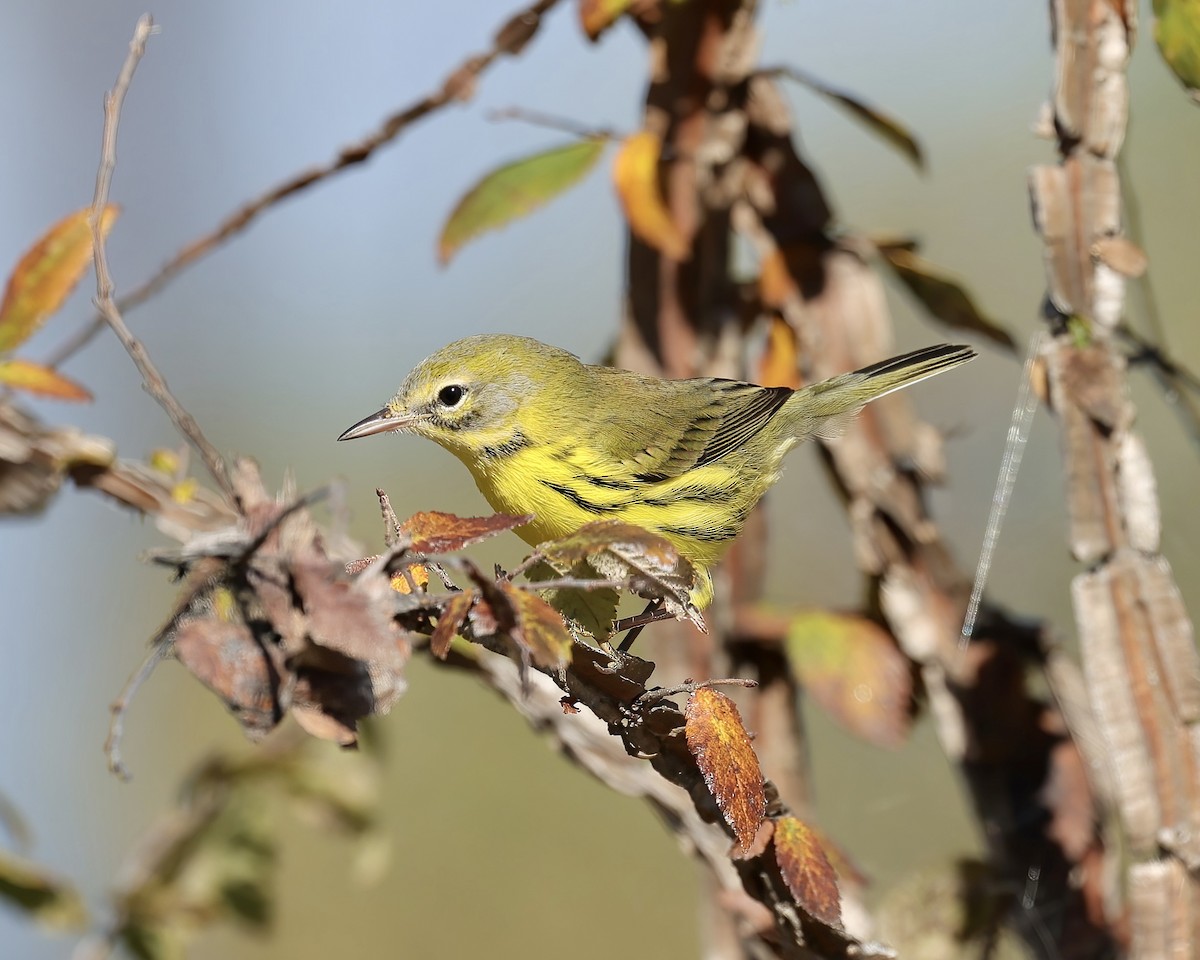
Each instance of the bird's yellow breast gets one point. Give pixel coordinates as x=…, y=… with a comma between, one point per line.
x=700, y=512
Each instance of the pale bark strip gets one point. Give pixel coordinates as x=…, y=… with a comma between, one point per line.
x=1138, y=645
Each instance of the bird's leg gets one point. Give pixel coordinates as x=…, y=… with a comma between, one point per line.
x=635, y=625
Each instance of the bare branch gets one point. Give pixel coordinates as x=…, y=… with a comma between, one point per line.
x=109, y=312
x=457, y=87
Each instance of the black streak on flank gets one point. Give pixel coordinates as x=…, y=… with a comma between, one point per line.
x=517, y=442
x=576, y=499
x=704, y=534
x=607, y=484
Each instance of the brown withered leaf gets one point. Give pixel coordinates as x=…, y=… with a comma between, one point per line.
x=944, y=298
x=539, y=628
x=35, y=378
x=34, y=459
x=726, y=758
x=1121, y=254
x=807, y=871
x=450, y=622
x=332, y=693
x=351, y=617
x=623, y=551
x=50, y=901
x=47, y=273
x=635, y=176
x=852, y=667
x=780, y=363
x=436, y=532
x=224, y=656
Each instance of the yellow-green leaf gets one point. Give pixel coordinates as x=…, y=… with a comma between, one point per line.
x=1177, y=33
x=47, y=274
x=516, y=189
x=941, y=295
x=888, y=128
x=852, y=667
x=34, y=378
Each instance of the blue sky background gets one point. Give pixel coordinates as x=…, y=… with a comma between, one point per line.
x=308, y=321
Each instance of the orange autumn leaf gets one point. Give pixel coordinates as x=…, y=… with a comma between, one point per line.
x=780, y=363
x=806, y=870
x=419, y=574
x=34, y=378
x=46, y=275
x=635, y=176
x=719, y=742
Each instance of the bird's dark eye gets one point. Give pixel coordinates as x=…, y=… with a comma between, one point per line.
x=451, y=395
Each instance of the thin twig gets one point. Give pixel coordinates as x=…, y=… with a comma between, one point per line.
x=578, y=583
x=116, y=726
x=662, y=693
x=534, y=558
x=155, y=385
x=391, y=525
x=457, y=87
x=552, y=122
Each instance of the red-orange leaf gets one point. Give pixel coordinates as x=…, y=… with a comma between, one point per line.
x=724, y=754
x=807, y=871
x=34, y=378
x=635, y=175
x=47, y=274
x=454, y=613
x=852, y=667
x=435, y=532
x=540, y=629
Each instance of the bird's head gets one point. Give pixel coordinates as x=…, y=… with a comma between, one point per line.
x=468, y=395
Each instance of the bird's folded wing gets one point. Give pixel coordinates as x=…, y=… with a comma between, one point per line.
x=685, y=424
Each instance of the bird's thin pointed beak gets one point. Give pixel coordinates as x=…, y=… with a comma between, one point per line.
x=381, y=421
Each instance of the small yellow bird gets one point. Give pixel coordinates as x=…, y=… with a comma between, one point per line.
x=544, y=433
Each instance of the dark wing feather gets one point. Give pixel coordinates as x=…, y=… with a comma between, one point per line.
x=748, y=410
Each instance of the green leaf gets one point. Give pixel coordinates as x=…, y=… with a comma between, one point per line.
x=891, y=130
x=942, y=296
x=852, y=667
x=516, y=189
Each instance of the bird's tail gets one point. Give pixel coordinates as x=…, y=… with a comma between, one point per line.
x=824, y=408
